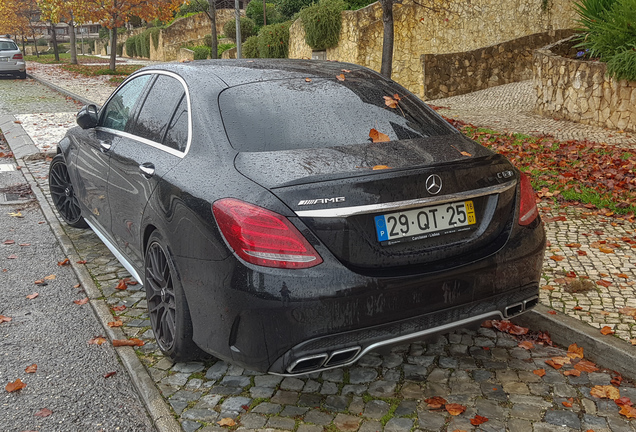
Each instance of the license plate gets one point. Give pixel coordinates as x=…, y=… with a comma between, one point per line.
x=425, y=222
x=4, y=59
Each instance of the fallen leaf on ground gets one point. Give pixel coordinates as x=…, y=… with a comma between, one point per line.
x=81, y=262
x=603, y=283
x=15, y=386
x=552, y=312
x=622, y=401
x=577, y=308
x=572, y=372
x=77, y=285
x=585, y=366
x=109, y=374
x=12, y=256
x=115, y=324
x=65, y=262
x=508, y=327
x=568, y=403
x=628, y=311
x=123, y=284
x=455, y=409
x=119, y=308
x=50, y=277
x=32, y=296
x=477, y=420
x=605, y=392
x=44, y=412
x=308, y=79
x=31, y=369
x=98, y=340
x=632, y=341
x=4, y=319
x=227, y=421
x=435, y=402
x=81, y=302
x=607, y=330
x=575, y=351
x=9, y=242
x=628, y=411
x=16, y=214
x=573, y=245
x=557, y=257
x=539, y=372
x=526, y=345
x=128, y=342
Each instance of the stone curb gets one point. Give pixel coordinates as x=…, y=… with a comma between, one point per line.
x=156, y=406
x=613, y=353
x=63, y=91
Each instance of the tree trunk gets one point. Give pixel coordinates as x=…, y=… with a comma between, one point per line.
x=387, y=40
x=214, y=49
x=71, y=27
x=113, y=48
x=23, y=45
x=264, y=14
x=54, y=40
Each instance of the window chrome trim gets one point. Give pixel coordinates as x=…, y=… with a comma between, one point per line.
x=407, y=204
x=180, y=154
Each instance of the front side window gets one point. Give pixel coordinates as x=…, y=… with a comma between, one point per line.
x=118, y=112
x=158, y=108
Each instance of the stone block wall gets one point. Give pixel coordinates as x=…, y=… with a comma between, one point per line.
x=466, y=25
x=458, y=73
x=580, y=91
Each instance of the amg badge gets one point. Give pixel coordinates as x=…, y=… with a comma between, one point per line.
x=321, y=201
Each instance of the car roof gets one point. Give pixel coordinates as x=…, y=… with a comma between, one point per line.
x=245, y=71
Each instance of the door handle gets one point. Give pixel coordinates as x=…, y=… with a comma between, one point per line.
x=105, y=146
x=147, y=169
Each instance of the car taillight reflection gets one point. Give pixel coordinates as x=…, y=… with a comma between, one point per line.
x=17, y=56
x=528, y=210
x=262, y=237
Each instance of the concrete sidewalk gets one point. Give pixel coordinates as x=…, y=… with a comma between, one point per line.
x=569, y=317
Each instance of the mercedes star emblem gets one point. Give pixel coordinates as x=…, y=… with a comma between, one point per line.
x=433, y=184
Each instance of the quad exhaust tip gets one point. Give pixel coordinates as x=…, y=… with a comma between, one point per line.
x=317, y=361
x=518, y=308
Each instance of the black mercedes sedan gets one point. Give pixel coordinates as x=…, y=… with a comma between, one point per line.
x=291, y=216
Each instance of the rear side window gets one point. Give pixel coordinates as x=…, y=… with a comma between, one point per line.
x=177, y=134
x=119, y=110
x=158, y=109
x=8, y=46
x=294, y=114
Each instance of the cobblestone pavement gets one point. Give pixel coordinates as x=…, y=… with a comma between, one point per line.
x=509, y=108
x=486, y=371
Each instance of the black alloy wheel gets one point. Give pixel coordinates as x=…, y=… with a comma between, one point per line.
x=167, y=306
x=63, y=195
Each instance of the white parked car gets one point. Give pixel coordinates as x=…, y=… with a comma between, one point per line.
x=11, y=59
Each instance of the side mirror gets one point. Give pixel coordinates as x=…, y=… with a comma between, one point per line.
x=87, y=117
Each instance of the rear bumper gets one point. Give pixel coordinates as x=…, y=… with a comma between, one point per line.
x=295, y=322
x=12, y=68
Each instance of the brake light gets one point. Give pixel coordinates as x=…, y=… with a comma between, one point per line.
x=262, y=237
x=528, y=210
x=17, y=56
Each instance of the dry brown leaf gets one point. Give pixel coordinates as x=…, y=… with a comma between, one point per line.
x=572, y=372
x=606, y=250
x=44, y=412
x=4, y=319
x=123, y=284
x=477, y=420
x=380, y=167
x=557, y=257
x=50, y=277
x=377, y=136
x=340, y=77
x=308, y=79
x=65, y=262
x=115, y=324
x=575, y=351
x=390, y=102
x=539, y=372
x=628, y=311
x=605, y=392
x=585, y=366
x=81, y=302
x=435, y=402
x=15, y=386
x=227, y=421
x=607, y=330
x=109, y=374
x=98, y=340
x=119, y=308
x=32, y=296
x=628, y=411
x=455, y=409
x=526, y=345
x=127, y=342
x=568, y=403
x=31, y=369
x=573, y=245
x=603, y=283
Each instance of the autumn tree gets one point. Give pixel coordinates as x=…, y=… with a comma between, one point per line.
x=71, y=12
x=12, y=21
x=114, y=13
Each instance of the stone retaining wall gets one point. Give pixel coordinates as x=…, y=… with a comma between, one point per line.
x=458, y=73
x=466, y=25
x=580, y=91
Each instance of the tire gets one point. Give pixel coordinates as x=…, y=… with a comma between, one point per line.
x=167, y=305
x=62, y=194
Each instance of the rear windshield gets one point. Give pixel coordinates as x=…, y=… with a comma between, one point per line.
x=296, y=114
x=8, y=46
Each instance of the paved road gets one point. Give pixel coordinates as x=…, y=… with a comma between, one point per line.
x=485, y=370
x=50, y=330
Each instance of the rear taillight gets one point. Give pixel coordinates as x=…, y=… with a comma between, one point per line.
x=528, y=210
x=262, y=237
x=17, y=56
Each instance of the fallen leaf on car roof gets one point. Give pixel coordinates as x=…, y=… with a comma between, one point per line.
x=340, y=77
x=377, y=136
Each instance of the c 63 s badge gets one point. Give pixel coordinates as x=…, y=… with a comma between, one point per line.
x=321, y=201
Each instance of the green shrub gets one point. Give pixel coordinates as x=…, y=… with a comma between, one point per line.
x=224, y=47
x=193, y=8
x=103, y=33
x=358, y=4
x=120, y=49
x=249, y=49
x=154, y=34
x=42, y=42
x=622, y=65
x=273, y=40
x=248, y=28
x=322, y=22
x=139, y=46
x=201, y=52
x=131, y=50
x=254, y=11
x=145, y=43
x=289, y=8
x=207, y=40
x=607, y=31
